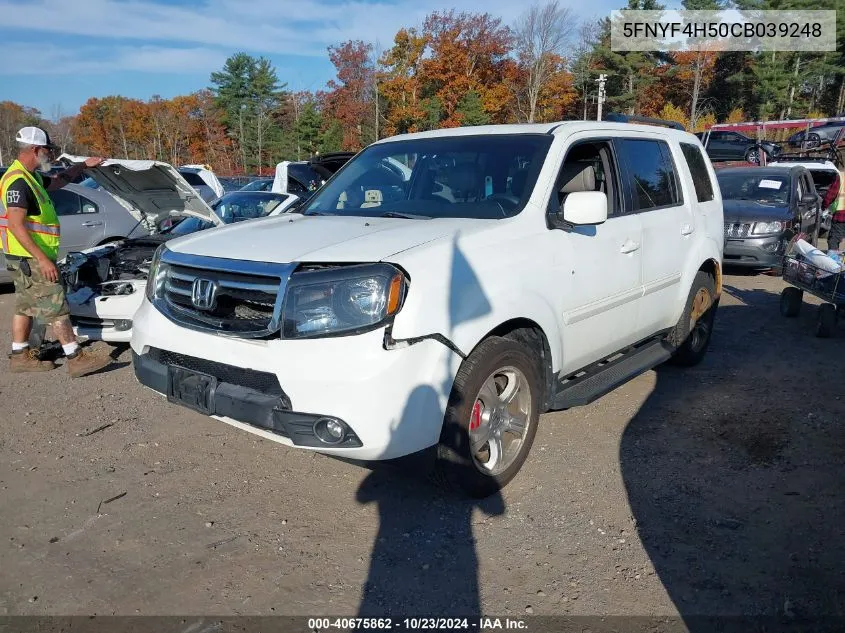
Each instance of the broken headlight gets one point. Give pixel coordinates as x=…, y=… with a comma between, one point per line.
x=341, y=300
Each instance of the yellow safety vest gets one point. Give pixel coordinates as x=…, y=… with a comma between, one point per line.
x=44, y=229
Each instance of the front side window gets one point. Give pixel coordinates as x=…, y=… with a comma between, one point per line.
x=484, y=177
x=652, y=181
x=588, y=166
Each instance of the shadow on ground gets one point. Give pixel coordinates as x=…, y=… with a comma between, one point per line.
x=739, y=497
x=423, y=560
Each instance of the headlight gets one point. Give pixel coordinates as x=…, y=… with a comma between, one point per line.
x=341, y=300
x=156, y=276
x=767, y=228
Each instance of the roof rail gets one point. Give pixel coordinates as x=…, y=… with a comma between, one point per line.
x=800, y=159
x=615, y=117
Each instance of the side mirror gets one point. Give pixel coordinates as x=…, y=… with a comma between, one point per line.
x=809, y=198
x=584, y=208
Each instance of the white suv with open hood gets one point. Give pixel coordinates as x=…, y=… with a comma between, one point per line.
x=444, y=289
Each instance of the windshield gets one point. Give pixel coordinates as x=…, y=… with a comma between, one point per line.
x=488, y=176
x=233, y=207
x=258, y=185
x=764, y=188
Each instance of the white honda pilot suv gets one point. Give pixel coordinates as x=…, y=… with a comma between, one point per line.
x=443, y=290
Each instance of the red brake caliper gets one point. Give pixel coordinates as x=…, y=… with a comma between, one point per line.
x=475, y=417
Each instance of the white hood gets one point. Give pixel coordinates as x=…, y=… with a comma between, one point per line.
x=292, y=237
x=150, y=189
x=209, y=178
x=280, y=182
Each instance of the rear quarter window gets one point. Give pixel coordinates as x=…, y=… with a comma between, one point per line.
x=698, y=170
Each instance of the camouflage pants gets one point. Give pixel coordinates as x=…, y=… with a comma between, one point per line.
x=35, y=296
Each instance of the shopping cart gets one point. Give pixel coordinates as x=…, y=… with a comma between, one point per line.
x=803, y=276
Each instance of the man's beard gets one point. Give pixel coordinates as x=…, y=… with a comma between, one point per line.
x=44, y=162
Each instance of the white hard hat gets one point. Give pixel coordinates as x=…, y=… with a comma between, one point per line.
x=34, y=136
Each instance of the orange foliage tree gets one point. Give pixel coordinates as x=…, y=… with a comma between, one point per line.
x=185, y=129
x=348, y=99
x=400, y=85
x=468, y=53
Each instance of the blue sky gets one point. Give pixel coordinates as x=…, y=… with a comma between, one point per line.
x=56, y=54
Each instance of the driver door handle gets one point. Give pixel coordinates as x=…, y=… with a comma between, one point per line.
x=92, y=223
x=629, y=247
x=686, y=229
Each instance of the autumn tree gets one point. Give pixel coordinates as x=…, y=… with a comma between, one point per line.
x=400, y=83
x=348, y=99
x=584, y=61
x=114, y=126
x=541, y=35
x=13, y=117
x=468, y=51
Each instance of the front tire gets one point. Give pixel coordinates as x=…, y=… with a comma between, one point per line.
x=492, y=417
x=691, y=336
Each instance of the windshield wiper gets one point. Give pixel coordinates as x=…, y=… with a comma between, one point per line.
x=405, y=216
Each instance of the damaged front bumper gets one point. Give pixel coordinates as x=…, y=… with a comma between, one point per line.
x=106, y=312
x=393, y=400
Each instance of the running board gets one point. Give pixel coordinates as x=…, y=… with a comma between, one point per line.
x=595, y=381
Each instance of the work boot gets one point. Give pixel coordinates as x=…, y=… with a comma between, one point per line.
x=85, y=362
x=27, y=361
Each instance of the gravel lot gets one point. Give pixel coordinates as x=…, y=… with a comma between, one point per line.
x=717, y=490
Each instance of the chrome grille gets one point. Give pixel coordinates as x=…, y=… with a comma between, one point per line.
x=246, y=301
x=737, y=229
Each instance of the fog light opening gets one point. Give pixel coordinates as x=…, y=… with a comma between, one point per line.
x=123, y=325
x=330, y=430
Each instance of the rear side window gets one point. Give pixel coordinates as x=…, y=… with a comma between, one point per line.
x=652, y=182
x=192, y=178
x=698, y=170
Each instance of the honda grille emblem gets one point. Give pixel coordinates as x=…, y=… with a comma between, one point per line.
x=204, y=294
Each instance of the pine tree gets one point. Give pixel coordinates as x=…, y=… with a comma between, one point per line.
x=250, y=94
x=308, y=127
x=629, y=72
x=471, y=110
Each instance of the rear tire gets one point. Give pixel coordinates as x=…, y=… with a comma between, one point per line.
x=791, y=300
x=691, y=336
x=498, y=367
x=826, y=320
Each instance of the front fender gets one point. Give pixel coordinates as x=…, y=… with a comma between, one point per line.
x=465, y=286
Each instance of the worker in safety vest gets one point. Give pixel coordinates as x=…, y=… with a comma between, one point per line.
x=30, y=236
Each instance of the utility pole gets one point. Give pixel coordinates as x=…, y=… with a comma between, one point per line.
x=601, y=98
